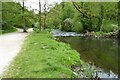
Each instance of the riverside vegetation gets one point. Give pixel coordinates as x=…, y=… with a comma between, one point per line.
x=82, y=17
x=85, y=17
x=12, y=17
x=43, y=57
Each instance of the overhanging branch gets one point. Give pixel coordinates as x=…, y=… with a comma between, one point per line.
x=78, y=9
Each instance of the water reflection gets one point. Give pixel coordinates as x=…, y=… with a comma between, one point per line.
x=103, y=53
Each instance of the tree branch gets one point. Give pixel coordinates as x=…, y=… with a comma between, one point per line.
x=78, y=9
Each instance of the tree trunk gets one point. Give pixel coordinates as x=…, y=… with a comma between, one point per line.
x=24, y=29
x=45, y=21
x=40, y=15
x=101, y=15
x=0, y=17
x=45, y=14
x=119, y=40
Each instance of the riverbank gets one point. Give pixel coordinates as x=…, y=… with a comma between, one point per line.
x=101, y=52
x=57, y=32
x=43, y=57
x=102, y=34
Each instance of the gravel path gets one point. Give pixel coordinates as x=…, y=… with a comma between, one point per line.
x=10, y=45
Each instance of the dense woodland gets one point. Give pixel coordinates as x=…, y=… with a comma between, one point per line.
x=12, y=17
x=82, y=17
x=72, y=16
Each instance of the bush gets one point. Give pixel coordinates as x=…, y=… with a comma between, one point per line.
x=90, y=24
x=7, y=28
x=4, y=25
x=109, y=27
x=94, y=24
x=78, y=27
x=68, y=11
x=56, y=23
x=67, y=24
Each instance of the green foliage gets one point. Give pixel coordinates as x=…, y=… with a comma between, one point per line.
x=67, y=24
x=78, y=27
x=61, y=12
x=7, y=28
x=111, y=10
x=54, y=17
x=91, y=24
x=108, y=26
x=12, y=16
x=68, y=11
x=95, y=24
x=56, y=23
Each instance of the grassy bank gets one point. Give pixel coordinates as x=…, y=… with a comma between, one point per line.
x=43, y=57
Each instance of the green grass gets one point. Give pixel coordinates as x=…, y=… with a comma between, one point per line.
x=43, y=57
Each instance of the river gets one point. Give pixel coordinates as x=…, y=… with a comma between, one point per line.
x=102, y=52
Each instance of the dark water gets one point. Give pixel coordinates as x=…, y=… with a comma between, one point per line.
x=103, y=53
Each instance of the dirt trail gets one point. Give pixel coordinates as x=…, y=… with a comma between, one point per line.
x=10, y=45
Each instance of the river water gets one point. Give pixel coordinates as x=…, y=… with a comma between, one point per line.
x=102, y=52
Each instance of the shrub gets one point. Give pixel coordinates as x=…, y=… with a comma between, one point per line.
x=94, y=24
x=109, y=27
x=90, y=24
x=56, y=23
x=78, y=27
x=7, y=28
x=67, y=24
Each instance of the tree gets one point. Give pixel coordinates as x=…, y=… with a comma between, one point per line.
x=0, y=16
x=12, y=16
x=54, y=16
x=88, y=16
x=101, y=16
x=80, y=9
x=24, y=25
x=40, y=15
x=45, y=14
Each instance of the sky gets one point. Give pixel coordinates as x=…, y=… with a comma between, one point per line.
x=34, y=4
